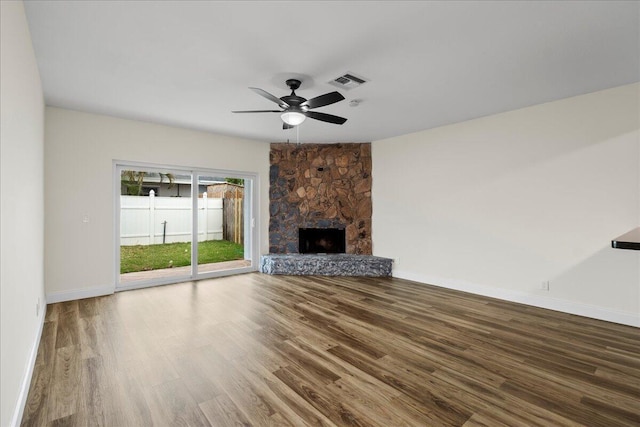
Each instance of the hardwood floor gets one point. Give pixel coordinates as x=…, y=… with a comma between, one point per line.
x=272, y=350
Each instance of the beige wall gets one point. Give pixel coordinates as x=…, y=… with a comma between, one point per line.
x=500, y=204
x=21, y=209
x=79, y=152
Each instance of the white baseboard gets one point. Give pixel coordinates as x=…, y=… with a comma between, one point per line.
x=26, y=380
x=75, y=294
x=565, y=306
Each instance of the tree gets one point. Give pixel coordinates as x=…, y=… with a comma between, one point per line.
x=238, y=181
x=133, y=180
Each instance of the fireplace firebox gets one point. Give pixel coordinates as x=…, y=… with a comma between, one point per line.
x=321, y=240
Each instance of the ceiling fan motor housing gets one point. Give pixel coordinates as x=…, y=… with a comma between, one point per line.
x=294, y=100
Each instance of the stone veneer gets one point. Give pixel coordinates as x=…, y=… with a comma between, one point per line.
x=320, y=186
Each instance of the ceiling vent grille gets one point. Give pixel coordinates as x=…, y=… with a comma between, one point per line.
x=347, y=81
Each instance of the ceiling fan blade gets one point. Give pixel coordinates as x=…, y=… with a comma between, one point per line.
x=258, y=111
x=323, y=117
x=286, y=126
x=322, y=100
x=270, y=97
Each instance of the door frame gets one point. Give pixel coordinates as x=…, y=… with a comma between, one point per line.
x=251, y=223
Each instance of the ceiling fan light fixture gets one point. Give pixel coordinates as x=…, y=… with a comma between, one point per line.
x=293, y=118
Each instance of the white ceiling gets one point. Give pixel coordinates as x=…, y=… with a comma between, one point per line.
x=429, y=63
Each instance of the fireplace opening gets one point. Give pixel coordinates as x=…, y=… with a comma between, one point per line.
x=321, y=240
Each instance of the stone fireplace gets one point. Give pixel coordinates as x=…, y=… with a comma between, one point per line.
x=320, y=211
x=320, y=186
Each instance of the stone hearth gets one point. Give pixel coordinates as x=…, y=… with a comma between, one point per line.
x=326, y=265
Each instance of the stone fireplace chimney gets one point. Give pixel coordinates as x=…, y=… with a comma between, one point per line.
x=320, y=186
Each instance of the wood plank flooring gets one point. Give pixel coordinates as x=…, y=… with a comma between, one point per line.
x=318, y=351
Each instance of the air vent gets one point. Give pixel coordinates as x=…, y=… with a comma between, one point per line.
x=347, y=81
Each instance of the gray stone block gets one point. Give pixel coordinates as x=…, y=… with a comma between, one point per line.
x=326, y=265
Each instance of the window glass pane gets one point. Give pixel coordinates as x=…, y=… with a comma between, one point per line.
x=155, y=225
x=221, y=224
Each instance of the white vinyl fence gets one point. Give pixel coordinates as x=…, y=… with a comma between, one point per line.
x=142, y=219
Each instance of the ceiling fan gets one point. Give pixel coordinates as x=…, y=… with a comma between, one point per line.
x=295, y=109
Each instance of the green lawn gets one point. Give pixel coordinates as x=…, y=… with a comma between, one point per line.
x=154, y=257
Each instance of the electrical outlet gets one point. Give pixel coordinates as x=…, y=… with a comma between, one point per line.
x=38, y=307
x=396, y=261
x=544, y=285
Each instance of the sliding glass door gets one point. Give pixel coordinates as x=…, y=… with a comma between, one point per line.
x=221, y=218
x=177, y=224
